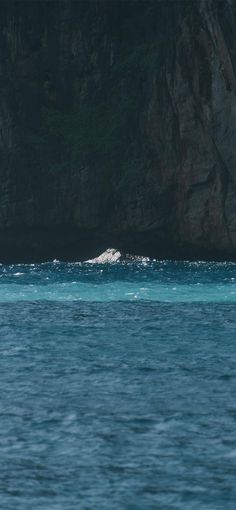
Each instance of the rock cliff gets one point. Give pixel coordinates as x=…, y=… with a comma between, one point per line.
x=117, y=127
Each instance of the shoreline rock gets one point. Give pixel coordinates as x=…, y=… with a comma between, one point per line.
x=108, y=256
x=111, y=255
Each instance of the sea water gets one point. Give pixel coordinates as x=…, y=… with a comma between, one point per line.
x=118, y=386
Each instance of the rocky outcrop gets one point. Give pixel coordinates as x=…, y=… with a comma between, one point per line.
x=111, y=255
x=117, y=127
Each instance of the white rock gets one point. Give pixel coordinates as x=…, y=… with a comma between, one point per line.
x=110, y=255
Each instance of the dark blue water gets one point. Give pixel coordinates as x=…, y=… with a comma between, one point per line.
x=118, y=387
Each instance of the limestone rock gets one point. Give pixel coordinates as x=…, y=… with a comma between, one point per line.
x=113, y=255
x=108, y=256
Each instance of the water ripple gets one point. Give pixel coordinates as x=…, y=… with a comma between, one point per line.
x=110, y=401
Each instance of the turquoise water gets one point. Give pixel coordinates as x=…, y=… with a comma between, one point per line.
x=118, y=386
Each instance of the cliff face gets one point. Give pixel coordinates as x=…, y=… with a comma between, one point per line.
x=117, y=126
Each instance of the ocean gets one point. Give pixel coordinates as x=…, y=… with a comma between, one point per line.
x=118, y=386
